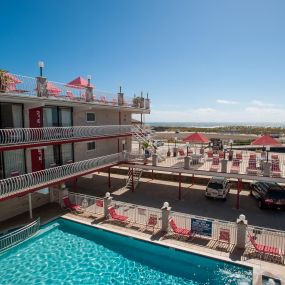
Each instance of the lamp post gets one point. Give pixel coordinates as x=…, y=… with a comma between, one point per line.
x=267, y=151
x=187, y=144
x=123, y=143
x=175, y=149
x=41, y=65
x=89, y=77
x=175, y=139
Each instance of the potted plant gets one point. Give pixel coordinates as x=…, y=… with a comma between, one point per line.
x=4, y=80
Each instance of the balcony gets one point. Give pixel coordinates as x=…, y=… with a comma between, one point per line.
x=12, y=85
x=33, y=137
x=20, y=185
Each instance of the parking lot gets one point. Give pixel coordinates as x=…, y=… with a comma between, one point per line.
x=153, y=193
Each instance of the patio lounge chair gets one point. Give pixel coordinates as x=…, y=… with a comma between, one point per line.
x=181, y=152
x=274, y=157
x=235, y=166
x=275, y=169
x=239, y=155
x=180, y=232
x=252, y=169
x=72, y=207
x=221, y=155
x=252, y=156
x=117, y=217
x=215, y=164
x=152, y=222
x=210, y=154
x=262, y=249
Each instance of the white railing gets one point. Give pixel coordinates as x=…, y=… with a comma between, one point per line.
x=19, y=235
x=23, y=183
x=32, y=135
x=91, y=205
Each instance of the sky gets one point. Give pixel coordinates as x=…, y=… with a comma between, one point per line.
x=199, y=60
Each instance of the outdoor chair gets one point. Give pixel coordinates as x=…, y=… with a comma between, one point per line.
x=275, y=169
x=274, y=157
x=224, y=237
x=72, y=207
x=252, y=156
x=114, y=216
x=180, y=232
x=152, y=222
x=181, y=152
x=239, y=155
x=235, y=166
x=210, y=154
x=221, y=155
x=252, y=169
x=215, y=164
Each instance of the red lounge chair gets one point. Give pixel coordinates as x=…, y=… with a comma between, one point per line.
x=252, y=156
x=274, y=157
x=70, y=206
x=264, y=249
x=251, y=169
x=180, y=231
x=181, y=152
x=221, y=155
x=215, y=164
x=152, y=222
x=210, y=154
x=275, y=169
x=235, y=166
x=239, y=155
x=116, y=216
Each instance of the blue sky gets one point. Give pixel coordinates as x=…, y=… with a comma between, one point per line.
x=200, y=60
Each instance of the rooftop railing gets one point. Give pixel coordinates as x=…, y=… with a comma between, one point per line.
x=33, y=135
x=41, y=87
x=37, y=180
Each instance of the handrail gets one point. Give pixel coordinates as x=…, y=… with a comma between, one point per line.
x=19, y=235
x=23, y=183
x=32, y=135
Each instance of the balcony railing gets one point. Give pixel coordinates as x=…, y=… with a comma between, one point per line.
x=28, y=86
x=35, y=135
x=40, y=179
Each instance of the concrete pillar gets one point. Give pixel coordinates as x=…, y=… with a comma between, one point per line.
x=175, y=149
x=107, y=203
x=147, y=104
x=187, y=162
x=165, y=214
x=142, y=101
x=89, y=94
x=224, y=165
x=266, y=165
x=30, y=205
x=120, y=97
x=42, y=87
x=241, y=231
x=154, y=159
x=124, y=156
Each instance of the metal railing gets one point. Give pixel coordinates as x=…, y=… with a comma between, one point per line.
x=32, y=135
x=19, y=235
x=22, y=183
x=29, y=86
x=91, y=205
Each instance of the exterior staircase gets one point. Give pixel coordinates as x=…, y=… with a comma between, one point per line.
x=137, y=173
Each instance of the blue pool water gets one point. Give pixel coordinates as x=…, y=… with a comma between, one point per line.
x=72, y=253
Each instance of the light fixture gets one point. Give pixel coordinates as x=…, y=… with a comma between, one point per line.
x=165, y=205
x=242, y=217
x=267, y=148
x=107, y=195
x=41, y=65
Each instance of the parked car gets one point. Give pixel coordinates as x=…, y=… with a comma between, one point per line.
x=158, y=143
x=218, y=187
x=268, y=194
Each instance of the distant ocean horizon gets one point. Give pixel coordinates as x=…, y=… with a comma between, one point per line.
x=214, y=124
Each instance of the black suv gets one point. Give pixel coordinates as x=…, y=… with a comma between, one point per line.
x=268, y=194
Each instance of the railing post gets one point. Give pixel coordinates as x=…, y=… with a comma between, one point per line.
x=42, y=87
x=89, y=94
x=165, y=213
x=120, y=97
x=241, y=231
x=107, y=203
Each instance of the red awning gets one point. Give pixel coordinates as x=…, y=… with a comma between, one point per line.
x=266, y=140
x=196, y=138
x=79, y=82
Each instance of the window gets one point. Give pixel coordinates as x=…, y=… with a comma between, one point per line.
x=90, y=117
x=91, y=146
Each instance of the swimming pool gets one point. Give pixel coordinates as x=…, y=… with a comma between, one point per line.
x=72, y=253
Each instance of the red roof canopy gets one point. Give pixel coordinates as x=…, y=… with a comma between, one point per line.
x=196, y=138
x=265, y=140
x=79, y=82
x=13, y=78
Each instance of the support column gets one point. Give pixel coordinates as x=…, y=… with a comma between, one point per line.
x=179, y=195
x=187, y=160
x=239, y=186
x=107, y=203
x=241, y=231
x=42, y=87
x=109, y=177
x=30, y=205
x=165, y=213
x=154, y=159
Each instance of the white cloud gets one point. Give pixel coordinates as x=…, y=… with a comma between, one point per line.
x=261, y=104
x=228, y=102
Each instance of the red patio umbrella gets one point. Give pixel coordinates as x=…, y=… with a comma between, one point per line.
x=197, y=138
x=79, y=82
x=265, y=140
x=52, y=89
